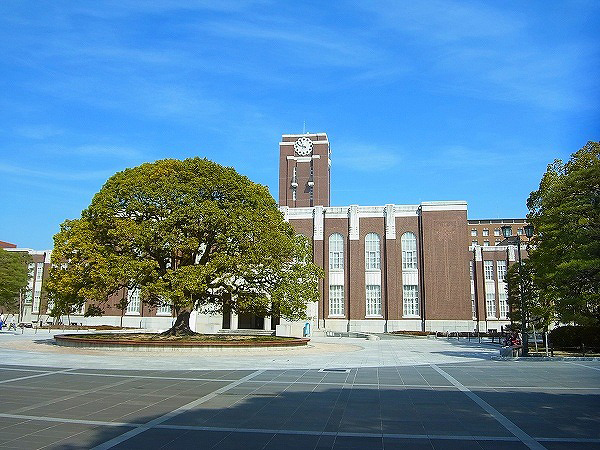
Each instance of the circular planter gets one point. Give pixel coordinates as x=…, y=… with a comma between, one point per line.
x=119, y=343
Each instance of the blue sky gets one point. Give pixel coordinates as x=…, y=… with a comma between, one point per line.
x=427, y=100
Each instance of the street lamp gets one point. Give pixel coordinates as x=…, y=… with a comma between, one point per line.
x=507, y=233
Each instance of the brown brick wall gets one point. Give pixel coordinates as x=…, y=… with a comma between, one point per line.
x=445, y=265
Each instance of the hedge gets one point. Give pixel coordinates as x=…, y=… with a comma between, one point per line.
x=575, y=336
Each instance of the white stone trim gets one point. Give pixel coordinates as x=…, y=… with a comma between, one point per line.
x=353, y=226
x=303, y=158
x=314, y=142
x=318, y=220
x=410, y=278
x=336, y=277
x=390, y=222
x=373, y=277
x=285, y=211
x=454, y=205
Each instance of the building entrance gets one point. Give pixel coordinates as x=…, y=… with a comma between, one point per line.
x=248, y=321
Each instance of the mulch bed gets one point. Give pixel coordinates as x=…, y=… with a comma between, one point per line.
x=198, y=340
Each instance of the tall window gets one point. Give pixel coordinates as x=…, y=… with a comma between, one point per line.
x=39, y=272
x=336, y=300
x=473, y=232
x=372, y=253
x=336, y=252
x=373, y=300
x=410, y=300
x=36, y=301
x=486, y=232
x=471, y=273
x=133, y=307
x=409, y=251
x=503, y=305
x=488, y=269
x=501, y=269
x=490, y=305
x=473, y=308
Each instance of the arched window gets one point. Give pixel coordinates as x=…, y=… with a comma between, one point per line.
x=409, y=251
x=372, y=253
x=336, y=252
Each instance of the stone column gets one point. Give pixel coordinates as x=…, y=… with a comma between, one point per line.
x=267, y=323
x=233, y=323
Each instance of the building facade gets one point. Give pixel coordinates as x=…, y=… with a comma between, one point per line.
x=420, y=267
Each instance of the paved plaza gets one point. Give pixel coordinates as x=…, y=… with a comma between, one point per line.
x=340, y=393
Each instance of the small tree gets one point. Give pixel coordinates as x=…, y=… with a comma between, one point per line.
x=565, y=251
x=189, y=233
x=14, y=277
x=539, y=305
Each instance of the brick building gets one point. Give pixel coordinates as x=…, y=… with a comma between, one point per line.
x=393, y=267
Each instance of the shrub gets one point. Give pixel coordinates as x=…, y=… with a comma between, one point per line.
x=575, y=336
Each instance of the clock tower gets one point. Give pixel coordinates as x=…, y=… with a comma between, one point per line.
x=304, y=170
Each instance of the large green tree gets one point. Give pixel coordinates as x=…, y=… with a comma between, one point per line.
x=14, y=276
x=191, y=234
x=565, y=251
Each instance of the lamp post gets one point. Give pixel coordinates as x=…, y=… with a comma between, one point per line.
x=507, y=233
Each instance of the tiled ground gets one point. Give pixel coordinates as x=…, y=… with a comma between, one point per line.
x=479, y=405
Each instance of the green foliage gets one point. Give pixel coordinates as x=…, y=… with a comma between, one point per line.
x=565, y=251
x=539, y=305
x=575, y=336
x=14, y=276
x=93, y=311
x=189, y=233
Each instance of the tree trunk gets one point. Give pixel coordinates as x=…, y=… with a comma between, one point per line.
x=181, y=327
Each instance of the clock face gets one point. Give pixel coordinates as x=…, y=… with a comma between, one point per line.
x=303, y=146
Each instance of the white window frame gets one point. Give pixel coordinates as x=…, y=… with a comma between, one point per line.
x=485, y=232
x=133, y=302
x=503, y=301
x=496, y=231
x=336, y=252
x=486, y=243
x=474, y=242
x=471, y=270
x=373, y=300
x=164, y=309
x=372, y=252
x=37, y=296
x=336, y=300
x=408, y=244
x=501, y=269
x=410, y=300
x=490, y=305
x=473, y=232
x=39, y=271
x=488, y=269
x=473, y=308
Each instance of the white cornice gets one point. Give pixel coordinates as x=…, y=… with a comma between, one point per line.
x=453, y=205
x=314, y=142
